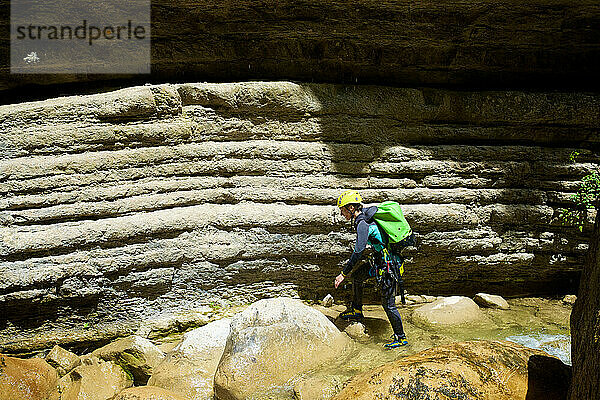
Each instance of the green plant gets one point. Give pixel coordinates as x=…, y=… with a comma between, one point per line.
x=584, y=199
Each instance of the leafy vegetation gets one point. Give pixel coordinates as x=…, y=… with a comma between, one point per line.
x=584, y=199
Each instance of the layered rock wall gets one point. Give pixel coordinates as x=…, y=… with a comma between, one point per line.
x=155, y=203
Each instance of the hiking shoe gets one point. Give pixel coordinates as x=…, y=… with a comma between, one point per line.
x=351, y=314
x=396, y=342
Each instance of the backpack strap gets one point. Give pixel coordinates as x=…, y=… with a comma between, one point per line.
x=360, y=217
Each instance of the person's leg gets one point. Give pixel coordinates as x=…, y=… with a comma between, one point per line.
x=358, y=279
x=358, y=283
x=388, y=301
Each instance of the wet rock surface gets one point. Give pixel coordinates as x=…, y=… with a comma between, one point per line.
x=533, y=322
x=475, y=370
x=188, y=369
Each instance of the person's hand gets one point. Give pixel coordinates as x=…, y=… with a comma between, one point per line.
x=338, y=280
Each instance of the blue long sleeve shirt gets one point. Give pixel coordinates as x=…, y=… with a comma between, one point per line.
x=367, y=232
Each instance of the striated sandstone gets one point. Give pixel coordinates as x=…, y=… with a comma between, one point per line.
x=151, y=203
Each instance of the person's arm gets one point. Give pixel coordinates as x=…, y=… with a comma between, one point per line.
x=362, y=234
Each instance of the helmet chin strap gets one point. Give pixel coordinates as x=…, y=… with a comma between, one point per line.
x=354, y=213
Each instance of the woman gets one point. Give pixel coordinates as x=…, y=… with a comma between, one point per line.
x=367, y=232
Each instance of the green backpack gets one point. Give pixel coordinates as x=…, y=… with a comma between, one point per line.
x=390, y=219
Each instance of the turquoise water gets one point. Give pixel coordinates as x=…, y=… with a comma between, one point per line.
x=558, y=345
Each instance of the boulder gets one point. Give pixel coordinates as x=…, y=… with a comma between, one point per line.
x=357, y=331
x=272, y=341
x=327, y=301
x=95, y=379
x=491, y=301
x=467, y=370
x=147, y=393
x=416, y=299
x=63, y=360
x=190, y=368
x=569, y=299
x=31, y=379
x=135, y=354
x=447, y=311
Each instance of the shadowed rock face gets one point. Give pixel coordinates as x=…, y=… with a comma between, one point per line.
x=470, y=43
x=585, y=327
x=147, y=205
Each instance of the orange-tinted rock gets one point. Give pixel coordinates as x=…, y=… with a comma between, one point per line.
x=31, y=379
x=93, y=380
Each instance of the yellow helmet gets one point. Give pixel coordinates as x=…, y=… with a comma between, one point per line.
x=348, y=197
